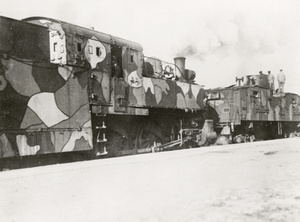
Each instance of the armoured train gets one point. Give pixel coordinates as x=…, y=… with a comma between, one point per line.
x=65, y=89
x=254, y=110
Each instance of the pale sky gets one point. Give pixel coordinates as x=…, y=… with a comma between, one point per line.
x=220, y=39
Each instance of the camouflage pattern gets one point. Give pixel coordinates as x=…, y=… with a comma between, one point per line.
x=47, y=102
x=170, y=94
x=43, y=109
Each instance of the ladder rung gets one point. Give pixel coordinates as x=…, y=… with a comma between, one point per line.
x=100, y=127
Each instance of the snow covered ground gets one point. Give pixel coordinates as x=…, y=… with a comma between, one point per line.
x=249, y=182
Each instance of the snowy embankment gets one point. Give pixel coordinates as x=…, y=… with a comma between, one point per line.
x=246, y=182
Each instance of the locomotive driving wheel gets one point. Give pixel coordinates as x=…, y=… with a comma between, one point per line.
x=148, y=134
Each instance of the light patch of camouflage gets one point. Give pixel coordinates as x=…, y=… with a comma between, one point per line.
x=184, y=87
x=191, y=102
x=134, y=80
x=271, y=116
x=24, y=148
x=283, y=102
x=129, y=66
x=105, y=86
x=42, y=22
x=53, y=26
x=216, y=103
x=65, y=71
x=43, y=104
x=250, y=108
x=277, y=113
x=265, y=94
x=160, y=86
x=6, y=149
x=137, y=60
x=95, y=52
x=139, y=94
x=129, y=110
x=19, y=75
x=180, y=102
x=57, y=39
x=224, y=116
x=195, y=90
x=3, y=83
x=148, y=84
x=290, y=112
x=86, y=133
x=158, y=94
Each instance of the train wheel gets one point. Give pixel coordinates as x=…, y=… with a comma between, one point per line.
x=116, y=143
x=147, y=135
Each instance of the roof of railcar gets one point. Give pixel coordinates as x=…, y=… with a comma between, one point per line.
x=236, y=87
x=82, y=31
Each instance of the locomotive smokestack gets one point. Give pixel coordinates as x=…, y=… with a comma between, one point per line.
x=179, y=67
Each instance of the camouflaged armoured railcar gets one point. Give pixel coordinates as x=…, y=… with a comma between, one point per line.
x=253, y=108
x=65, y=88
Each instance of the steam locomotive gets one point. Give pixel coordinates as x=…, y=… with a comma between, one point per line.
x=65, y=88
